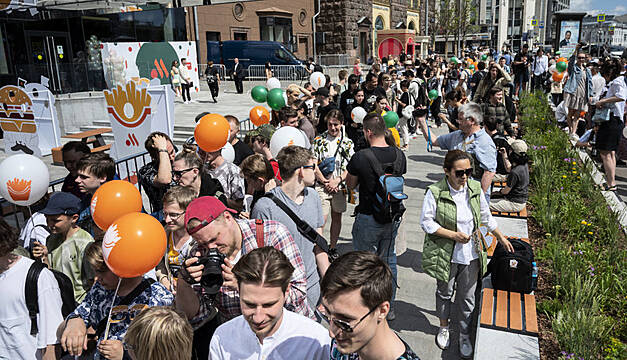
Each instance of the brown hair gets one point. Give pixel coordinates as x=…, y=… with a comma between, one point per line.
x=334, y=114
x=93, y=256
x=149, y=144
x=287, y=113
x=291, y=158
x=8, y=238
x=455, y=155
x=342, y=74
x=232, y=120
x=265, y=266
x=98, y=164
x=188, y=154
x=257, y=166
x=77, y=146
x=180, y=195
x=374, y=122
x=160, y=333
x=361, y=270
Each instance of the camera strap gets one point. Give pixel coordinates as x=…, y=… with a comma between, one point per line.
x=259, y=233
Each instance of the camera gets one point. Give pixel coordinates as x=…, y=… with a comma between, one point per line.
x=211, y=279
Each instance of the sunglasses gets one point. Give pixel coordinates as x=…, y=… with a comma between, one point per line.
x=460, y=173
x=178, y=173
x=345, y=326
x=312, y=167
x=121, y=312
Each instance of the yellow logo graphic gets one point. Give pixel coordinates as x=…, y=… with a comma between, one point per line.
x=16, y=111
x=131, y=107
x=19, y=189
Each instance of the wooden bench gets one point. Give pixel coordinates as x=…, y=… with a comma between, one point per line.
x=509, y=311
x=89, y=137
x=494, y=242
x=519, y=215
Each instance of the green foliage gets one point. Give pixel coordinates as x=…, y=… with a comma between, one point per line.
x=585, y=245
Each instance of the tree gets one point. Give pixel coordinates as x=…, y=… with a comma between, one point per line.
x=444, y=21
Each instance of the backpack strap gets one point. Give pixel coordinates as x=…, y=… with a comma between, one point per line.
x=376, y=165
x=145, y=284
x=259, y=233
x=305, y=229
x=31, y=294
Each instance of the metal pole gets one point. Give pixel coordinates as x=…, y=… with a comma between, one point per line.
x=426, y=17
x=313, y=21
x=196, y=38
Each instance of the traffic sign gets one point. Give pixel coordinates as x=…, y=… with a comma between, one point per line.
x=534, y=22
x=611, y=30
x=601, y=18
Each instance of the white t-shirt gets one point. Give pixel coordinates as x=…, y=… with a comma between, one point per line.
x=598, y=84
x=15, y=339
x=541, y=65
x=32, y=231
x=297, y=338
x=560, y=112
x=618, y=88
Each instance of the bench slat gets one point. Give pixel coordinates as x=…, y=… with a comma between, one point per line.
x=515, y=313
x=501, y=309
x=494, y=242
x=531, y=317
x=487, y=306
x=521, y=215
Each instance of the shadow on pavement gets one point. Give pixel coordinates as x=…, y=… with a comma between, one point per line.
x=426, y=159
x=413, y=319
x=410, y=259
x=435, y=176
x=418, y=184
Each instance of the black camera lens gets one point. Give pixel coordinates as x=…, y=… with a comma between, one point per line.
x=212, y=279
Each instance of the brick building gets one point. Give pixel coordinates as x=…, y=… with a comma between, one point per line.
x=350, y=27
x=285, y=21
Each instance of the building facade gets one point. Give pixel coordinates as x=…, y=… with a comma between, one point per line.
x=285, y=21
x=351, y=28
x=612, y=31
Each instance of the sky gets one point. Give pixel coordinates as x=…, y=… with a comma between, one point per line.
x=610, y=7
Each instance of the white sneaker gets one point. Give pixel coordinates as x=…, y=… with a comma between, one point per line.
x=418, y=132
x=443, y=338
x=465, y=347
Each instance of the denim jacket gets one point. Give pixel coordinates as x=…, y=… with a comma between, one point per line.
x=574, y=75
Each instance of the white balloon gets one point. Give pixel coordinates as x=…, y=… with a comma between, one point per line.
x=285, y=97
x=317, y=79
x=358, y=114
x=24, y=179
x=273, y=83
x=552, y=69
x=228, y=152
x=286, y=136
x=408, y=111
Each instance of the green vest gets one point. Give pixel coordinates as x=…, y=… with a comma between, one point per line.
x=438, y=251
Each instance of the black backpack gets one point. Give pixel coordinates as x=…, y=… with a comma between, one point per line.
x=32, y=298
x=512, y=271
x=388, y=202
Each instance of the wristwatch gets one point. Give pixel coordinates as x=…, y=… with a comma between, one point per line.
x=163, y=150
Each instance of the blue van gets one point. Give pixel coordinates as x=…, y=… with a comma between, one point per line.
x=251, y=53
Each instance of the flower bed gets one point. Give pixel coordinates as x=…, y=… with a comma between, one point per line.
x=579, y=243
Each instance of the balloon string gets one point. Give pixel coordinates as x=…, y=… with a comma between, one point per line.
x=30, y=212
x=106, y=333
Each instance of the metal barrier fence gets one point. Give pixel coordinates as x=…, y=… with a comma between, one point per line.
x=334, y=70
x=17, y=216
x=281, y=72
x=220, y=67
x=334, y=59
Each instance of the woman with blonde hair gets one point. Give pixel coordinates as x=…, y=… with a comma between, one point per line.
x=159, y=333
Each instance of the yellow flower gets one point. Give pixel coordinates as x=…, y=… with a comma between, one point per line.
x=547, y=234
x=574, y=171
x=574, y=163
x=589, y=232
x=564, y=176
x=583, y=222
x=589, y=224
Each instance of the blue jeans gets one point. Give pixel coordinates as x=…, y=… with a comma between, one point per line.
x=380, y=239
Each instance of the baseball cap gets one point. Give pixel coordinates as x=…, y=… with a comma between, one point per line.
x=266, y=131
x=322, y=91
x=206, y=209
x=518, y=146
x=62, y=203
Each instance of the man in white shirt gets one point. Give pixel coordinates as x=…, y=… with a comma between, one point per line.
x=16, y=341
x=598, y=83
x=266, y=330
x=540, y=67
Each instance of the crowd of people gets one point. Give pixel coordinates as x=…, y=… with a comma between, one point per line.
x=246, y=272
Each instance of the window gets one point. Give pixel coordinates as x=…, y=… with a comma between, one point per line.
x=276, y=29
x=411, y=25
x=213, y=35
x=240, y=35
x=379, y=24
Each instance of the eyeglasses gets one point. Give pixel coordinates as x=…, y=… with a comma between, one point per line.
x=172, y=216
x=460, y=173
x=312, y=167
x=179, y=173
x=345, y=326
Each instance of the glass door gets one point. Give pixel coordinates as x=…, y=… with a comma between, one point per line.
x=51, y=57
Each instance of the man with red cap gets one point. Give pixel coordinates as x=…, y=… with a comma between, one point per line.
x=213, y=226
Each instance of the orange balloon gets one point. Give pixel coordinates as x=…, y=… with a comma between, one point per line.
x=112, y=200
x=562, y=59
x=133, y=244
x=557, y=76
x=259, y=115
x=212, y=132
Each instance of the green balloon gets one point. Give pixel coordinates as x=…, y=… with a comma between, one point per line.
x=561, y=66
x=259, y=93
x=433, y=94
x=275, y=99
x=454, y=59
x=471, y=67
x=484, y=57
x=391, y=119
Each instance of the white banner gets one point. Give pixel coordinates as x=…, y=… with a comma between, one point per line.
x=144, y=61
